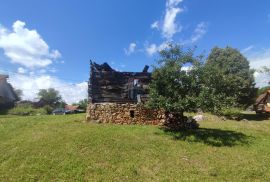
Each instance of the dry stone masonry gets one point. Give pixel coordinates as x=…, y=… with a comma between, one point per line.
x=124, y=114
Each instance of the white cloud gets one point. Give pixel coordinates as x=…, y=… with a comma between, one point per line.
x=153, y=48
x=257, y=60
x=55, y=54
x=21, y=70
x=131, y=48
x=26, y=47
x=155, y=25
x=170, y=27
x=261, y=79
x=199, y=32
x=30, y=86
x=173, y=2
x=186, y=68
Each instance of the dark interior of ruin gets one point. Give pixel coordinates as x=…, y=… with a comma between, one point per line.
x=109, y=85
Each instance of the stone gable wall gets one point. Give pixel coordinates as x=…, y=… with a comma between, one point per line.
x=128, y=113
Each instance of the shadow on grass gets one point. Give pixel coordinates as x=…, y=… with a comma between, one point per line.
x=256, y=117
x=3, y=111
x=212, y=137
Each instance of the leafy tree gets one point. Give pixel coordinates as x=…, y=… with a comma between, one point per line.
x=83, y=104
x=172, y=88
x=50, y=97
x=228, y=75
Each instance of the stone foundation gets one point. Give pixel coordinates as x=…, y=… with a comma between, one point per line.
x=124, y=114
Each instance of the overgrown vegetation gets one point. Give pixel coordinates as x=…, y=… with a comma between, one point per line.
x=26, y=109
x=63, y=148
x=232, y=113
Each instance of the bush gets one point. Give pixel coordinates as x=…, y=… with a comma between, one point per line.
x=231, y=113
x=48, y=109
x=26, y=109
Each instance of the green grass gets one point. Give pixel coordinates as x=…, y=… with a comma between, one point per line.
x=63, y=148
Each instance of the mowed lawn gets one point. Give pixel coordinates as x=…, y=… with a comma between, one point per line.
x=63, y=148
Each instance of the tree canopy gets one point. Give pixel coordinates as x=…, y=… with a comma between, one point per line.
x=183, y=82
x=82, y=104
x=227, y=73
x=175, y=83
x=50, y=97
x=174, y=88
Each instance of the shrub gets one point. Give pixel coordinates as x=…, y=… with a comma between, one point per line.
x=231, y=113
x=48, y=109
x=26, y=109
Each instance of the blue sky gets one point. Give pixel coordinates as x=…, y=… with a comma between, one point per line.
x=49, y=43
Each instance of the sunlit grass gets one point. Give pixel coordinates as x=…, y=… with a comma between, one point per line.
x=63, y=148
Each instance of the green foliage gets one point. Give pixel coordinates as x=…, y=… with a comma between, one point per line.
x=83, y=104
x=50, y=97
x=210, y=101
x=48, y=109
x=231, y=113
x=228, y=75
x=26, y=109
x=172, y=88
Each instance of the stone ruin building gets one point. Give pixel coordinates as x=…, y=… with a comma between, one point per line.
x=119, y=97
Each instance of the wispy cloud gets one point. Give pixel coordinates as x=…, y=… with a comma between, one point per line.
x=168, y=24
x=155, y=25
x=199, y=32
x=131, y=49
x=247, y=49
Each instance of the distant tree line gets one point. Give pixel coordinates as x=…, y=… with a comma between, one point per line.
x=48, y=100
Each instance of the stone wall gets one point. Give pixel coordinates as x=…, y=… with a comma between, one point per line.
x=127, y=113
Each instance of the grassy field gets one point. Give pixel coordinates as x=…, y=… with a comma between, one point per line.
x=63, y=148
